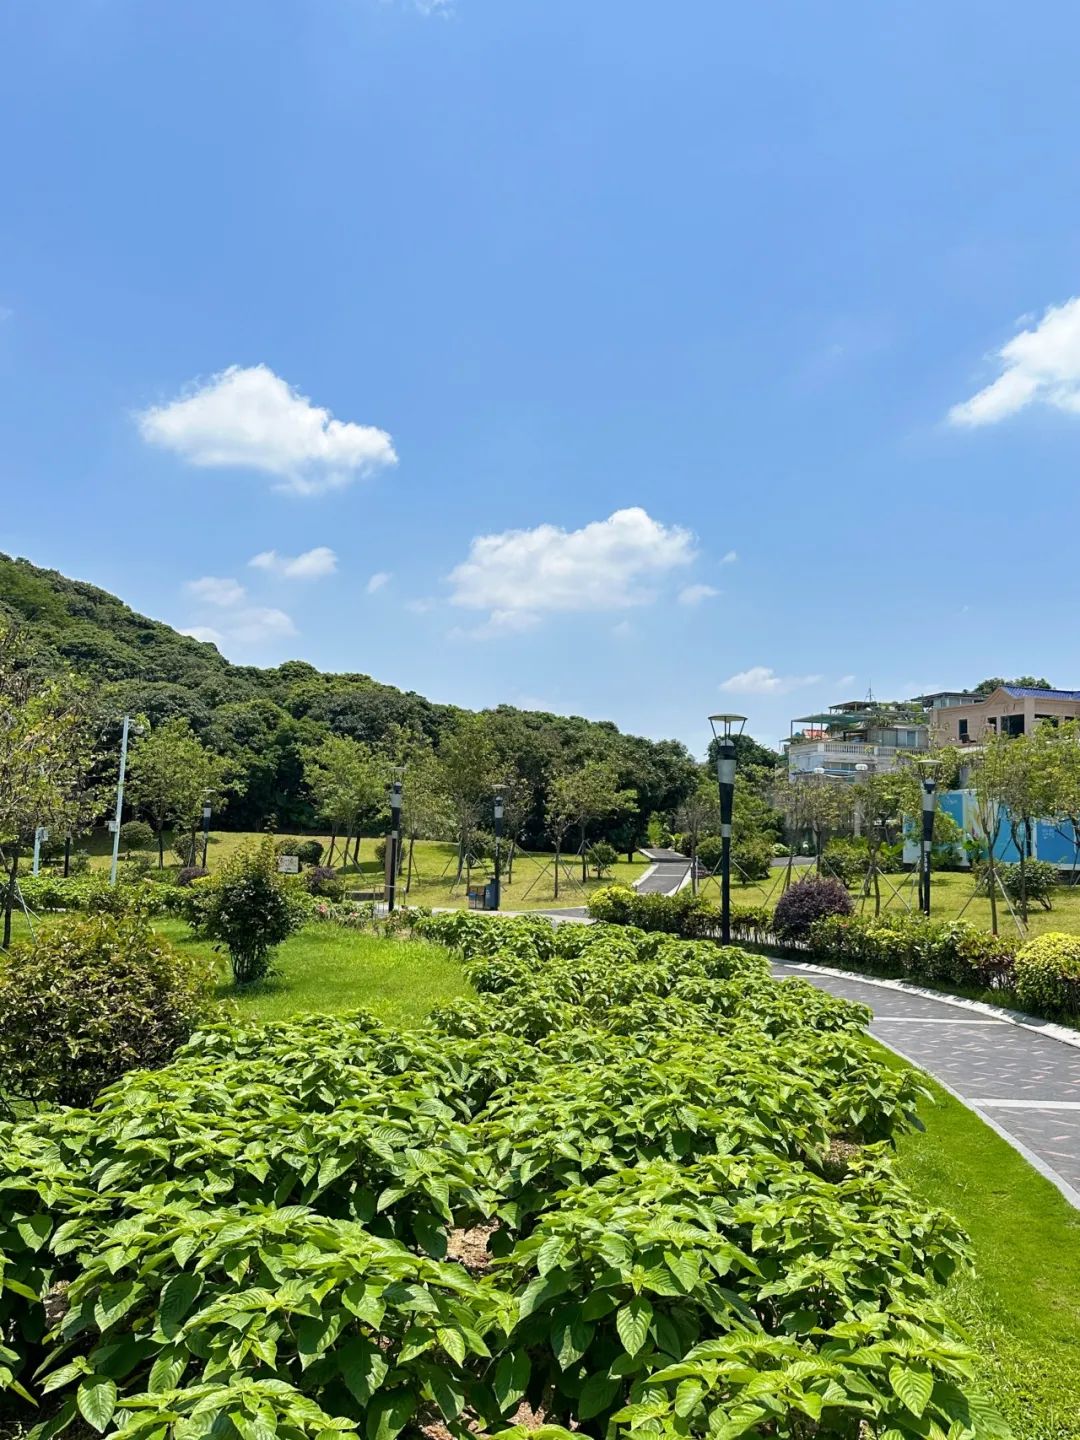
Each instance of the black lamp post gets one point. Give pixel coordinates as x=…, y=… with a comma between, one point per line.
x=394, y=842
x=497, y=885
x=929, y=801
x=725, y=734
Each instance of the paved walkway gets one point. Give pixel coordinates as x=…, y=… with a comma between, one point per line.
x=1025, y=1084
x=664, y=878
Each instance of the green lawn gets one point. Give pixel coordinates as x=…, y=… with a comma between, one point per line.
x=531, y=884
x=950, y=892
x=1021, y=1308
x=325, y=969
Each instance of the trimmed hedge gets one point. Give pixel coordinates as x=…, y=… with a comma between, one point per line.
x=943, y=952
x=1048, y=975
x=690, y=916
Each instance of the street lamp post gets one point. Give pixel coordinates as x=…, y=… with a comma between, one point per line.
x=725, y=734
x=497, y=897
x=205, y=831
x=119, y=801
x=395, y=841
x=929, y=801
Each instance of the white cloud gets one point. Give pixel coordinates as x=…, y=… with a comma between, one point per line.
x=240, y=623
x=206, y=633
x=249, y=417
x=311, y=565
x=377, y=581
x=607, y=565
x=729, y=558
x=695, y=594
x=844, y=681
x=215, y=590
x=763, y=680
x=419, y=606
x=1039, y=364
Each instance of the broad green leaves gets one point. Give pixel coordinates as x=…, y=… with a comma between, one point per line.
x=637, y=1133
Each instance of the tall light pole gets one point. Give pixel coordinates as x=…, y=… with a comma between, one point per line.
x=725, y=735
x=498, y=850
x=119, y=801
x=395, y=841
x=929, y=801
x=205, y=830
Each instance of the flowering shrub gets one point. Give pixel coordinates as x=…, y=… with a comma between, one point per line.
x=814, y=897
x=323, y=881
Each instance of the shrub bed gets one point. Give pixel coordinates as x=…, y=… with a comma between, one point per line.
x=942, y=952
x=1048, y=976
x=811, y=898
x=257, y=1239
x=685, y=914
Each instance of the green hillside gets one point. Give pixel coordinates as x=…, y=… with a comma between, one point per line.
x=263, y=718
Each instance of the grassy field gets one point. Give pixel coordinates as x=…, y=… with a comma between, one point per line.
x=1021, y=1307
x=530, y=886
x=950, y=892
x=325, y=969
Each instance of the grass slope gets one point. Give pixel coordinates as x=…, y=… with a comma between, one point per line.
x=1022, y=1305
x=324, y=969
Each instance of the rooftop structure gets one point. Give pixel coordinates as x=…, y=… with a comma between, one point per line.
x=856, y=736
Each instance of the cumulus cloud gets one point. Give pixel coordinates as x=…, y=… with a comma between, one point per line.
x=729, y=558
x=216, y=590
x=695, y=594
x=763, y=680
x=377, y=581
x=252, y=419
x=311, y=565
x=1040, y=365
x=611, y=564
x=237, y=622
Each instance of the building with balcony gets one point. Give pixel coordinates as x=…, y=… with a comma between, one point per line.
x=856, y=736
x=1008, y=710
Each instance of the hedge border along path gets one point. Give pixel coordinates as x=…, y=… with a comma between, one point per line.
x=1021, y=1076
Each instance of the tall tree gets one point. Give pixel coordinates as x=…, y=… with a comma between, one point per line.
x=470, y=765
x=171, y=773
x=699, y=815
x=1027, y=791
x=1063, y=757
x=46, y=755
x=347, y=783
x=988, y=781
x=591, y=793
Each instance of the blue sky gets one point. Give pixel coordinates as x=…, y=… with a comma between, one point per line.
x=625, y=359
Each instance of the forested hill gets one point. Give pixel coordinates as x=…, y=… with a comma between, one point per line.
x=264, y=719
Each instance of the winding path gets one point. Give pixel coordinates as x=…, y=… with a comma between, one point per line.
x=1020, y=1075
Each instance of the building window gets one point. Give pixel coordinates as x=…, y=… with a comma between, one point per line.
x=962, y=731
x=1012, y=725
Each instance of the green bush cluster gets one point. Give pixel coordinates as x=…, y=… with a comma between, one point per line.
x=1048, y=976
x=91, y=999
x=93, y=895
x=249, y=909
x=632, y=1142
x=691, y=916
x=1041, y=880
x=942, y=952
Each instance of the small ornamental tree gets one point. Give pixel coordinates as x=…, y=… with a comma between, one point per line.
x=136, y=835
x=249, y=910
x=93, y=998
x=811, y=899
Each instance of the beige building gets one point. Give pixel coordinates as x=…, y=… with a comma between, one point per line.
x=1008, y=710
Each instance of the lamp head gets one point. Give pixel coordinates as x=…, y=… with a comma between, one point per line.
x=727, y=727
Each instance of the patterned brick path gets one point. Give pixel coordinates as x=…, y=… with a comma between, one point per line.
x=1026, y=1085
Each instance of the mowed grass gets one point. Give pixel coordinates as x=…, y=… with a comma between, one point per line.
x=530, y=885
x=950, y=893
x=325, y=969
x=1021, y=1307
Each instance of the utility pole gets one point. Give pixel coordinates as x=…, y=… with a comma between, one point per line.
x=205, y=831
x=119, y=800
x=498, y=850
x=392, y=847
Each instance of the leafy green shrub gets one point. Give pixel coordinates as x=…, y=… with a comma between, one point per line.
x=709, y=852
x=309, y=852
x=190, y=873
x=812, y=898
x=288, y=845
x=91, y=999
x=1041, y=881
x=847, y=860
x=248, y=909
x=949, y=952
x=683, y=914
x=136, y=835
x=1048, y=975
x=751, y=859
x=601, y=857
